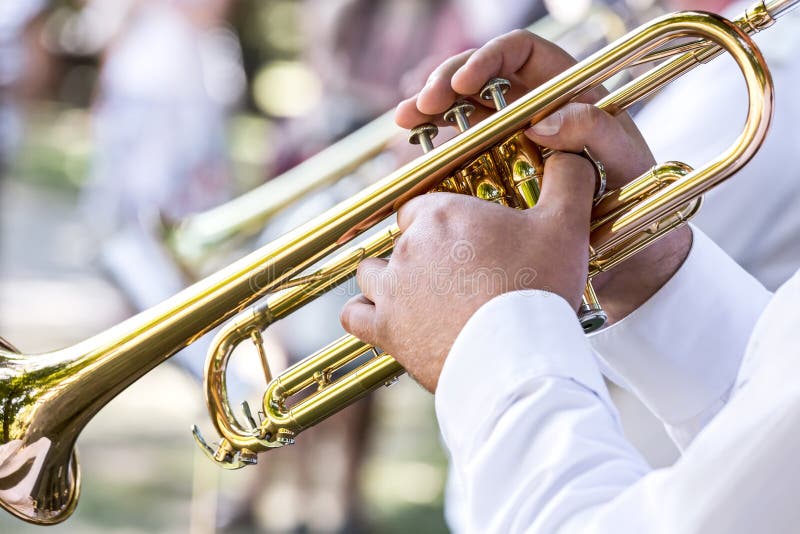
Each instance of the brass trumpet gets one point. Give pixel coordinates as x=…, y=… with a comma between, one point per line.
x=49, y=398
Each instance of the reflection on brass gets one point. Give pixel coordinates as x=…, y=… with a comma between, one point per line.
x=47, y=399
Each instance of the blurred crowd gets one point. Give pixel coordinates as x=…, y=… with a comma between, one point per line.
x=192, y=102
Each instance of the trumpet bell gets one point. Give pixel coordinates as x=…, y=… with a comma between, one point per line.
x=39, y=473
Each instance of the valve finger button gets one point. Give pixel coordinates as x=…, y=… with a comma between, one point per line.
x=494, y=91
x=423, y=135
x=459, y=113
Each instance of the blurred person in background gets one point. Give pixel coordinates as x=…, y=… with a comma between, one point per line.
x=22, y=70
x=169, y=79
x=360, y=51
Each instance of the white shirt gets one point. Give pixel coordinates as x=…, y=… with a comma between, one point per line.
x=536, y=443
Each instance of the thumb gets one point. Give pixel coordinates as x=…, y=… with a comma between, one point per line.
x=578, y=125
x=568, y=188
x=358, y=318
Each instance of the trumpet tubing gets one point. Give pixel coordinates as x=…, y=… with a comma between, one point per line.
x=49, y=398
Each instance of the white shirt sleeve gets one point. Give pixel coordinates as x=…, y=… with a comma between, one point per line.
x=538, y=447
x=680, y=351
x=531, y=431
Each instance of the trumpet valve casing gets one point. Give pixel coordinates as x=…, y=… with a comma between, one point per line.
x=509, y=173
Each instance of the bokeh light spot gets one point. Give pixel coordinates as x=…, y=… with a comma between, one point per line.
x=286, y=89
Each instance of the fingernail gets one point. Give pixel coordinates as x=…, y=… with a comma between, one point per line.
x=550, y=125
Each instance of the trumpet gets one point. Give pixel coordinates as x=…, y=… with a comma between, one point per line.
x=48, y=398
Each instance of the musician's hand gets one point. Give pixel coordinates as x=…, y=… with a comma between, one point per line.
x=457, y=252
x=528, y=61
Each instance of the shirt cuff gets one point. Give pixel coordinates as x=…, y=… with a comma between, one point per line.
x=680, y=351
x=511, y=339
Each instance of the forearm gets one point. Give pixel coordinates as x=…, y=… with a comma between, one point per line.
x=557, y=450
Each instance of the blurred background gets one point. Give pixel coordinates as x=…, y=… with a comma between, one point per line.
x=119, y=118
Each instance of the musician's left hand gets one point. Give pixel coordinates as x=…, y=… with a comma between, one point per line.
x=457, y=252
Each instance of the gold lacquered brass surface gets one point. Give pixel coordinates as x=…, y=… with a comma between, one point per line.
x=48, y=398
x=509, y=173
